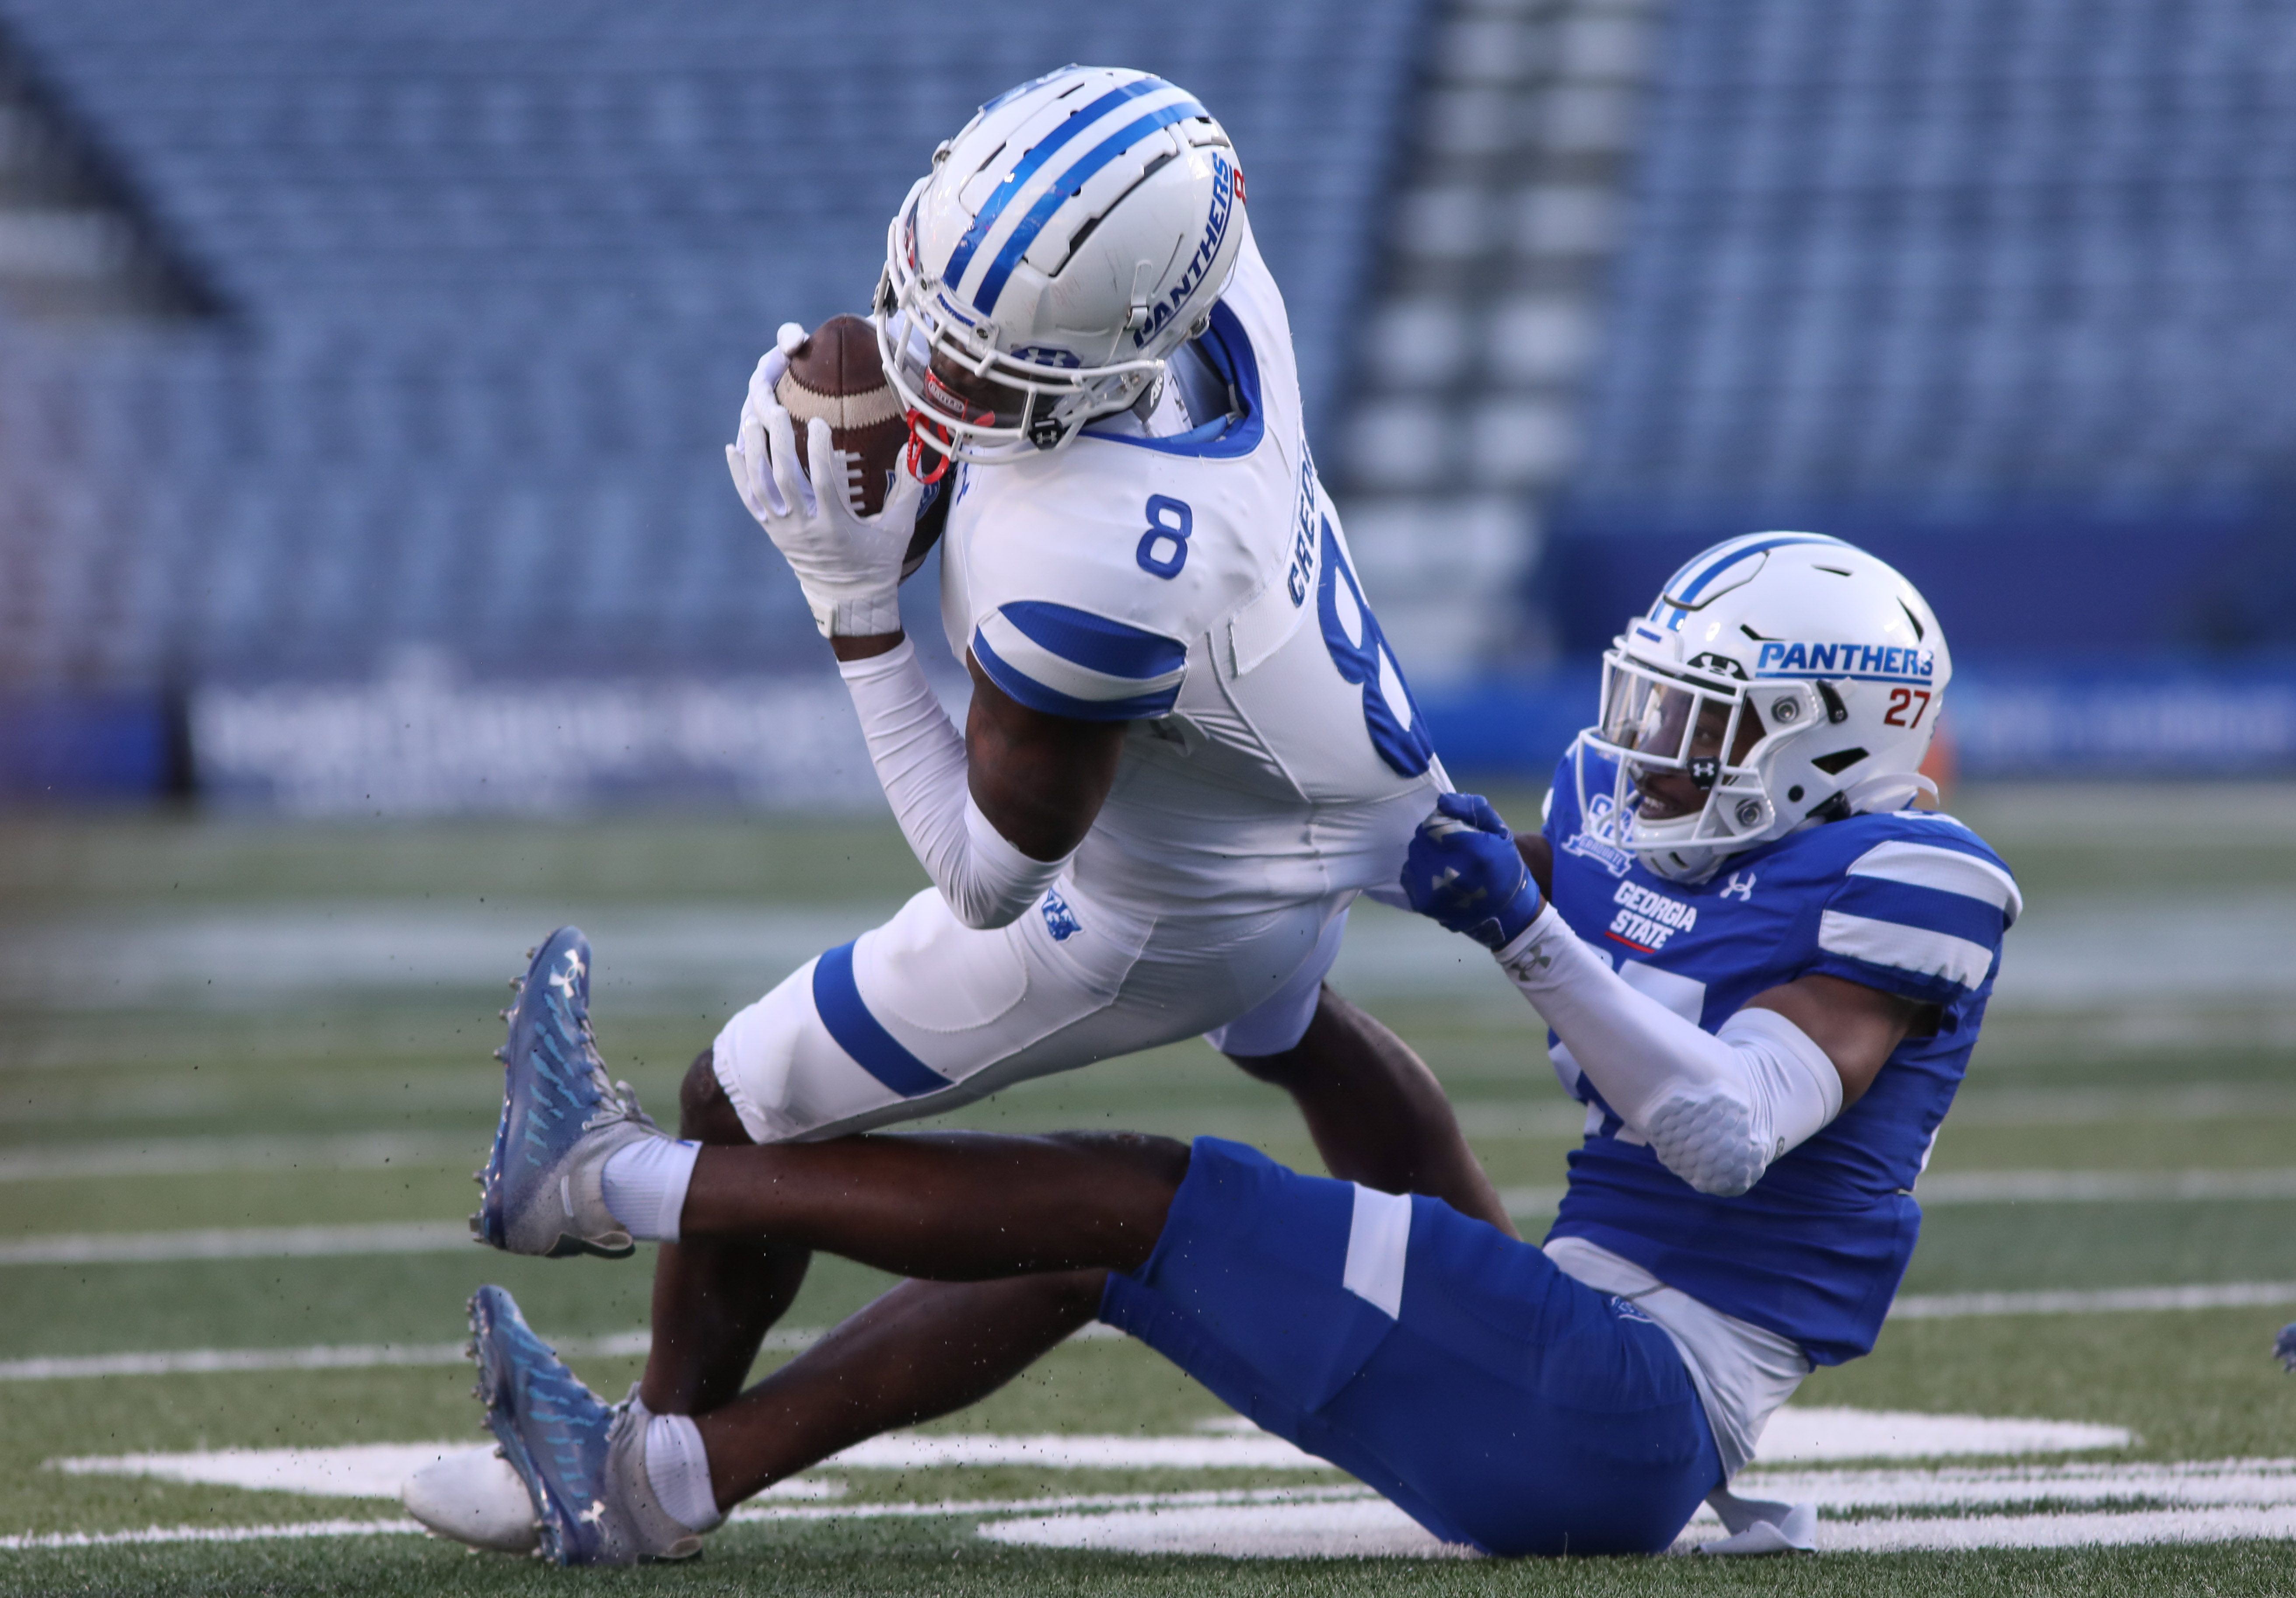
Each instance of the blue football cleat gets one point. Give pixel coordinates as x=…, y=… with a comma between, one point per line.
x=581, y=1459
x=2285, y=1346
x=562, y=1117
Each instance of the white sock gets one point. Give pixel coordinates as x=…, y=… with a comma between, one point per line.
x=645, y=1184
x=678, y=1472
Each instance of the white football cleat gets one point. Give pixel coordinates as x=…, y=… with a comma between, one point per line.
x=474, y=1496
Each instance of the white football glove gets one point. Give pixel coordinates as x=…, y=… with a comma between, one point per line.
x=848, y=566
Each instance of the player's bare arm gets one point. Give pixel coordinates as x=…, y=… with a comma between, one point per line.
x=1858, y=1026
x=1377, y=1114
x=1039, y=779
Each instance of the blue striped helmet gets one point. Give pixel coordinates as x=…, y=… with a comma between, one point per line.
x=1779, y=679
x=1075, y=233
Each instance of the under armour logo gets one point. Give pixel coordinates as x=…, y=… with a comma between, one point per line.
x=1740, y=887
x=1533, y=959
x=1060, y=921
x=573, y=973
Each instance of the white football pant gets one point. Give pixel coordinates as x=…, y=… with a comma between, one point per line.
x=923, y=1013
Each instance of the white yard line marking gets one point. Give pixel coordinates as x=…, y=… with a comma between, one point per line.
x=1799, y=1434
x=196, y=1362
x=377, y=1469
x=1360, y=1529
x=1947, y=1533
x=209, y=1534
x=2215, y=1501
x=2093, y=1187
x=447, y=1237
x=338, y=1356
x=353, y=1357
x=1364, y=1527
x=203, y=1156
x=2198, y=1483
x=2070, y=954
x=237, y=1243
x=748, y=1512
x=1082, y=1501
x=345, y=1356
x=1053, y=1451
x=356, y=1471
x=2088, y=1106
x=2218, y=1295
x=2035, y=1187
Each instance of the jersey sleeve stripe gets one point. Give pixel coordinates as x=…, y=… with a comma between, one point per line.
x=1095, y=643
x=1039, y=664
x=1039, y=695
x=1923, y=909
x=1901, y=947
x=1947, y=870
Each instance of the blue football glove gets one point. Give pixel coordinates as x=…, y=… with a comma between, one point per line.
x=1464, y=870
x=2286, y=1348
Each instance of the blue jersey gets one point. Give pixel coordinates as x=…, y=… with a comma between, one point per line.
x=1911, y=903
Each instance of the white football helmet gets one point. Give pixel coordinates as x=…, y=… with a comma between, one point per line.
x=1075, y=232
x=1829, y=659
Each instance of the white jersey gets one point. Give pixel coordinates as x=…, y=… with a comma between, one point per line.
x=1199, y=586
x=1192, y=581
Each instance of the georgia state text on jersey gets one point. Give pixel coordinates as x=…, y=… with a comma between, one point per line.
x=1199, y=585
x=1910, y=903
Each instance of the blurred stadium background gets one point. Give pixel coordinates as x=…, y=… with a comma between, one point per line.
x=362, y=370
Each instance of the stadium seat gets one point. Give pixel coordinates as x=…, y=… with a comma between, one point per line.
x=493, y=287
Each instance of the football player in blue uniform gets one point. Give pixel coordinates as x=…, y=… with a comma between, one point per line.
x=1763, y=975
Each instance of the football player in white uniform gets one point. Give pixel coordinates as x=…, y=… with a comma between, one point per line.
x=1189, y=746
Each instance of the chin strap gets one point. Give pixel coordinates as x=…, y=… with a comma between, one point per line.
x=940, y=444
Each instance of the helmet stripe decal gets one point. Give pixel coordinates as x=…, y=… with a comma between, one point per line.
x=1017, y=244
x=1729, y=556
x=1043, y=151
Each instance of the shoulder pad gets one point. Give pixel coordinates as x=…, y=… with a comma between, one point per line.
x=1066, y=661
x=1923, y=905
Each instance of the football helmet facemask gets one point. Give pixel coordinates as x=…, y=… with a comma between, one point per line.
x=1781, y=679
x=1076, y=231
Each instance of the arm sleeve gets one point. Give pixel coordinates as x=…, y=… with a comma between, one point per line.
x=1924, y=921
x=1065, y=661
x=1716, y=1107
x=920, y=758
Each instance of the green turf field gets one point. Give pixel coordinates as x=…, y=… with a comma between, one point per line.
x=217, y=1029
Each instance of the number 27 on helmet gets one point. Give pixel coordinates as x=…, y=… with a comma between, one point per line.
x=1780, y=679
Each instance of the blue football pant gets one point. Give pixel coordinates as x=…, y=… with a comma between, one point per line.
x=1498, y=1402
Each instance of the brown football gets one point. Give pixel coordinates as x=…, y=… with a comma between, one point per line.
x=836, y=374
